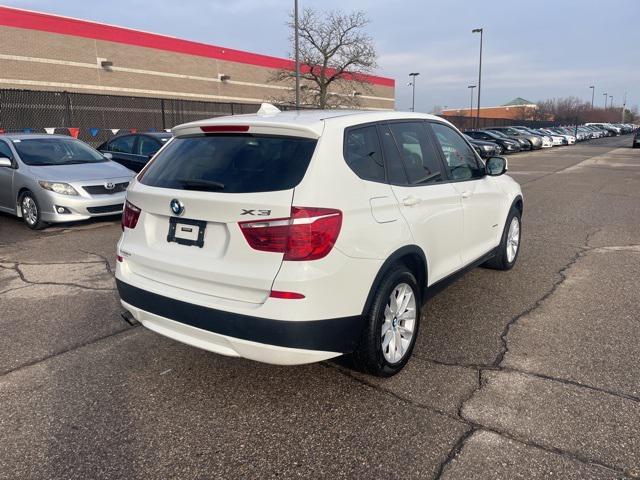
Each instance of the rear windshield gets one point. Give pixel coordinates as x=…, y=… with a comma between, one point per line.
x=231, y=163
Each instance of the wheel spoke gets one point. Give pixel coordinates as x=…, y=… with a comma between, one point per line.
x=409, y=314
x=386, y=326
x=393, y=303
x=405, y=300
x=399, y=346
x=386, y=340
x=405, y=332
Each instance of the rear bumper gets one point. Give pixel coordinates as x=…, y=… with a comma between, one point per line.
x=283, y=342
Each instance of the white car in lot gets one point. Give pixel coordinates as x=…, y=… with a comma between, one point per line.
x=291, y=238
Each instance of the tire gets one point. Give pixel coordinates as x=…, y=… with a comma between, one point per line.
x=31, y=213
x=506, y=258
x=370, y=356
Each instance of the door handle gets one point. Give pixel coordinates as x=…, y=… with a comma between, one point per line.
x=410, y=201
x=466, y=194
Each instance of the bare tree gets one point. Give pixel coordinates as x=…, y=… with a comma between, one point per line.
x=335, y=57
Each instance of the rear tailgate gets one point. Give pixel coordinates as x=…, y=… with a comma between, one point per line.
x=225, y=266
x=217, y=180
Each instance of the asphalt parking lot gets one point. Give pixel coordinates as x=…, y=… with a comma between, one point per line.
x=531, y=373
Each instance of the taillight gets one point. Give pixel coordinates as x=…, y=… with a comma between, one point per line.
x=130, y=215
x=308, y=234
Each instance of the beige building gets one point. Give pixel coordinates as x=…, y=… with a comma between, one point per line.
x=47, y=52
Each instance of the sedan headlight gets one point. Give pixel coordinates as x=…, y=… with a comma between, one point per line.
x=58, y=187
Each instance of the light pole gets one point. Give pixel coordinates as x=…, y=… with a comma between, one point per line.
x=611, y=102
x=297, y=52
x=471, y=87
x=606, y=96
x=413, y=84
x=480, y=31
x=593, y=94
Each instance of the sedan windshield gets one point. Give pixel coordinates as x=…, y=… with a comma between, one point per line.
x=55, y=151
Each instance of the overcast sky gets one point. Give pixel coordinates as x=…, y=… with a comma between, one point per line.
x=535, y=49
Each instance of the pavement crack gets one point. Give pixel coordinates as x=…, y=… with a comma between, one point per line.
x=573, y=383
x=16, y=267
x=554, y=287
x=455, y=450
x=103, y=258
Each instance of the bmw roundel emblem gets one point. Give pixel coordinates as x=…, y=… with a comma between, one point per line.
x=177, y=206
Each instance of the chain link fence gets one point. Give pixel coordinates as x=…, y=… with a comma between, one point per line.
x=97, y=115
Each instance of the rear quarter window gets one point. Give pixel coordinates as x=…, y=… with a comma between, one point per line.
x=233, y=163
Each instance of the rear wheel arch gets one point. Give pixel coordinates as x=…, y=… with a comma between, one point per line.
x=414, y=258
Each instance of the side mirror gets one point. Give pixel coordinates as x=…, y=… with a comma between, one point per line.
x=5, y=162
x=108, y=155
x=497, y=166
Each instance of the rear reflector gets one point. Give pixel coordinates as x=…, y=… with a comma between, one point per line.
x=286, y=295
x=130, y=215
x=120, y=258
x=225, y=128
x=308, y=234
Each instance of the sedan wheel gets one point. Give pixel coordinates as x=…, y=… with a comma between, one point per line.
x=31, y=212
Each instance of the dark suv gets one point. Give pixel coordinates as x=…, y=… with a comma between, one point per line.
x=134, y=150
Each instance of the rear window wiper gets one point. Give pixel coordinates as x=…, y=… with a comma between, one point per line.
x=206, y=185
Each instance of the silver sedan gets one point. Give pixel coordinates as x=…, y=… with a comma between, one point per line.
x=54, y=178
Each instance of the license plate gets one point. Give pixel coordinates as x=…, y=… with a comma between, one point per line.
x=186, y=231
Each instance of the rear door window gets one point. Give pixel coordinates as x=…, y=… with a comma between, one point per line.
x=395, y=170
x=417, y=151
x=122, y=144
x=147, y=146
x=231, y=163
x=362, y=153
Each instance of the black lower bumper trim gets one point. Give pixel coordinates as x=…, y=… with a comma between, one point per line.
x=332, y=335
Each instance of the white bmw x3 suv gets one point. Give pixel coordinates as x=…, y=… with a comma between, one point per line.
x=295, y=237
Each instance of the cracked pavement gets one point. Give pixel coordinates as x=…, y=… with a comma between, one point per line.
x=531, y=373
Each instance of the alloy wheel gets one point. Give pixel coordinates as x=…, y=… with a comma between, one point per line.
x=513, y=239
x=399, y=323
x=29, y=210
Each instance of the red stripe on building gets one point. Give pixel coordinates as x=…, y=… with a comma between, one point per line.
x=17, y=18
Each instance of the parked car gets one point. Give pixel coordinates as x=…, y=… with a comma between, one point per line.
x=571, y=139
x=523, y=142
x=556, y=140
x=636, y=139
x=535, y=140
x=134, y=150
x=485, y=149
x=546, y=140
x=54, y=178
x=295, y=237
x=508, y=145
x=611, y=129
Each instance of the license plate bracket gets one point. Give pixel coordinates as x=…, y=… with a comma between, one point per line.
x=181, y=231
